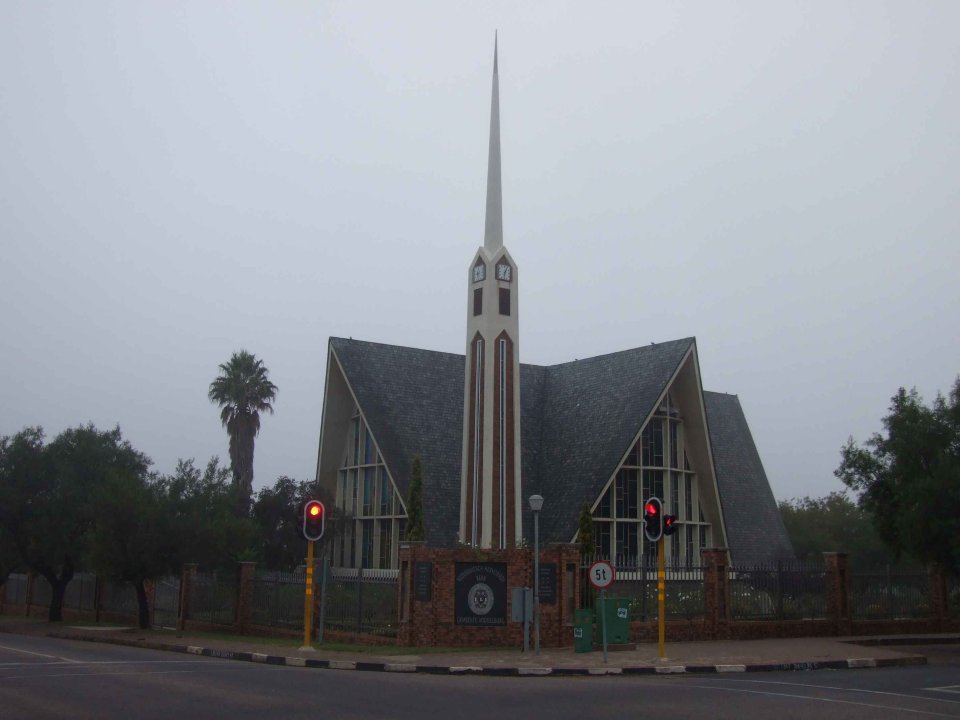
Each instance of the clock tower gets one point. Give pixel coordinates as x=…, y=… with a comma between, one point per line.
x=490, y=488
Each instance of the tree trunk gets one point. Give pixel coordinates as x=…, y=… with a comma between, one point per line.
x=142, y=605
x=58, y=586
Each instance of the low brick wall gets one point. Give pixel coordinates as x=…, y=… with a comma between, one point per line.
x=433, y=621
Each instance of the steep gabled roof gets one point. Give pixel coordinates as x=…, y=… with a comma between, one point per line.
x=591, y=412
x=755, y=529
x=577, y=421
x=412, y=400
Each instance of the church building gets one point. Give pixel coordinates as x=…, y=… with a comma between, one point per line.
x=606, y=432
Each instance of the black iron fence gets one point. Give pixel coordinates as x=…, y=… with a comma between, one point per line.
x=778, y=591
x=277, y=598
x=890, y=592
x=361, y=601
x=166, y=602
x=636, y=580
x=213, y=598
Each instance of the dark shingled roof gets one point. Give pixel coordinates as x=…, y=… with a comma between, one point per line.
x=577, y=421
x=755, y=529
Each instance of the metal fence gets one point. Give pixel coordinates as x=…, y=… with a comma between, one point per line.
x=81, y=592
x=784, y=590
x=953, y=595
x=213, y=598
x=889, y=592
x=362, y=601
x=166, y=604
x=119, y=598
x=278, y=598
x=15, y=589
x=636, y=580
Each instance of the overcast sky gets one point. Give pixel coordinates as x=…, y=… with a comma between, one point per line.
x=180, y=180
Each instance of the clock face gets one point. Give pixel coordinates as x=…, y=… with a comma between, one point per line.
x=503, y=272
x=479, y=272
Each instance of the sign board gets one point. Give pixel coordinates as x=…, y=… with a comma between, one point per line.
x=480, y=594
x=423, y=581
x=601, y=574
x=548, y=583
x=521, y=604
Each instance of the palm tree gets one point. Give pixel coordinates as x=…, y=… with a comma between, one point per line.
x=243, y=391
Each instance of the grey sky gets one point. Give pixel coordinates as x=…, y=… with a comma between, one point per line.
x=179, y=180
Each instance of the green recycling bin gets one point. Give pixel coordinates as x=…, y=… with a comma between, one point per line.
x=616, y=612
x=582, y=630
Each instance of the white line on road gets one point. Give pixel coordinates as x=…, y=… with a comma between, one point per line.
x=846, y=689
x=821, y=699
x=223, y=668
x=947, y=689
x=29, y=652
x=83, y=663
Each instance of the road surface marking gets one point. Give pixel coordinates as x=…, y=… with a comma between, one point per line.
x=30, y=652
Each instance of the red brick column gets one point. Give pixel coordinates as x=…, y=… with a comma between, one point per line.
x=186, y=587
x=716, y=591
x=556, y=619
x=28, y=595
x=939, y=600
x=244, y=615
x=416, y=616
x=838, y=591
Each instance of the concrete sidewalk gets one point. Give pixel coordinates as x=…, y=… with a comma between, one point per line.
x=688, y=657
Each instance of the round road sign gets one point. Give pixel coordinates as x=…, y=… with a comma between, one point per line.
x=601, y=574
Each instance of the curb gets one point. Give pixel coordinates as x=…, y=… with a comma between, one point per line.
x=848, y=664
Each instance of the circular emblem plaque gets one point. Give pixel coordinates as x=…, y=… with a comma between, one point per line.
x=480, y=599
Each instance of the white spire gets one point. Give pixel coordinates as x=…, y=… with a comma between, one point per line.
x=493, y=227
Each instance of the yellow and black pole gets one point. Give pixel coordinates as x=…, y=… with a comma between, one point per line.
x=314, y=519
x=661, y=597
x=308, y=597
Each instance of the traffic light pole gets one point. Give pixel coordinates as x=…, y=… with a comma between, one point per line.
x=661, y=595
x=308, y=599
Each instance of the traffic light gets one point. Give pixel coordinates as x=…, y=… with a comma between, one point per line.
x=669, y=524
x=653, y=519
x=314, y=515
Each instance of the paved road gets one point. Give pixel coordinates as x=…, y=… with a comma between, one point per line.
x=44, y=678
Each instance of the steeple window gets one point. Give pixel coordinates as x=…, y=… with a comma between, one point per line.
x=368, y=502
x=656, y=465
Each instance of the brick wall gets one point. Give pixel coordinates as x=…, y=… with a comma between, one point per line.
x=433, y=623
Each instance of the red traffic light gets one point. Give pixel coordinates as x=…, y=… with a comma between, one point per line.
x=653, y=519
x=669, y=524
x=313, y=520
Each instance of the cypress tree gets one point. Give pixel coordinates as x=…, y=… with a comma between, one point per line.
x=415, y=529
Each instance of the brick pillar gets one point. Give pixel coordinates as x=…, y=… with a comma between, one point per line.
x=244, y=615
x=716, y=591
x=28, y=596
x=838, y=591
x=186, y=587
x=556, y=618
x=416, y=616
x=150, y=586
x=939, y=599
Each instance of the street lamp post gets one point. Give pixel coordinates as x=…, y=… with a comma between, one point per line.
x=536, y=504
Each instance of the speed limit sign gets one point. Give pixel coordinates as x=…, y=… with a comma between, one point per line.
x=601, y=574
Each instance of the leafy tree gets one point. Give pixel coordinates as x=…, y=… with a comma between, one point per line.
x=243, y=391
x=588, y=547
x=909, y=477
x=131, y=540
x=201, y=509
x=278, y=512
x=21, y=462
x=833, y=524
x=52, y=492
x=415, y=527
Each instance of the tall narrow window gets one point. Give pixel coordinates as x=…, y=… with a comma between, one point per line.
x=477, y=438
x=504, y=301
x=477, y=301
x=502, y=351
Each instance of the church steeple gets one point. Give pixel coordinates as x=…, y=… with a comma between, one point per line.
x=490, y=492
x=493, y=227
